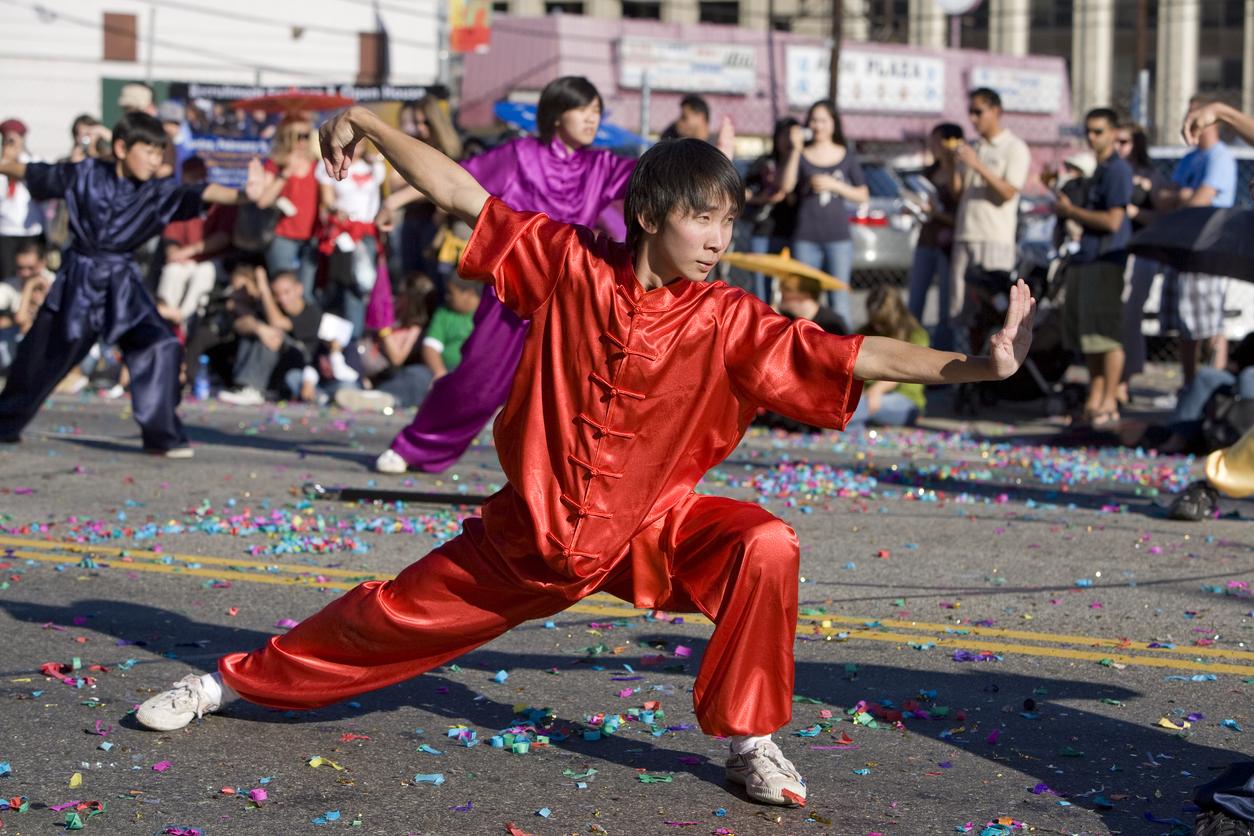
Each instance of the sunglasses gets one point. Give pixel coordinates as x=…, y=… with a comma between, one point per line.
x=302, y=136
x=1095, y=131
x=1123, y=141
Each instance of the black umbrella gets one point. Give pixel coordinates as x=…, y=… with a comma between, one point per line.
x=1201, y=240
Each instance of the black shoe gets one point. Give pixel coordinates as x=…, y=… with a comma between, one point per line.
x=1219, y=823
x=1199, y=501
x=10, y=439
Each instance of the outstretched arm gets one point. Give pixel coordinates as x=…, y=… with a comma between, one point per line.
x=446, y=183
x=12, y=168
x=215, y=193
x=882, y=358
x=1202, y=118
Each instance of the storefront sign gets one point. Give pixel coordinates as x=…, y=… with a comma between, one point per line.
x=686, y=67
x=878, y=82
x=1021, y=91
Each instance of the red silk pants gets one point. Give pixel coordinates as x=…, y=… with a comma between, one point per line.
x=732, y=561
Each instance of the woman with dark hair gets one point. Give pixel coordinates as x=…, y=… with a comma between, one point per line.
x=1132, y=144
x=557, y=173
x=768, y=208
x=943, y=182
x=827, y=177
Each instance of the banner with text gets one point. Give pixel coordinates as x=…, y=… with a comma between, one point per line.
x=686, y=67
x=869, y=81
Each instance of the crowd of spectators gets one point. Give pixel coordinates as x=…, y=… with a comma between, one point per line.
x=274, y=299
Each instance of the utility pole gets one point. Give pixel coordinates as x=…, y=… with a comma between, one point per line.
x=838, y=31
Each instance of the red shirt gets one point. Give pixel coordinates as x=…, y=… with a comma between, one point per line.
x=303, y=192
x=625, y=398
x=218, y=218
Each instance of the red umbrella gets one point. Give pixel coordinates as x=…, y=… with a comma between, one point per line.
x=293, y=101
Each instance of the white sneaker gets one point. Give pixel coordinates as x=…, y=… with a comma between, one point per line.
x=173, y=709
x=172, y=452
x=114, y=392
x=768, y=776
x=244, y=396
x=390, y=461
x=340, y=370
x=363, y=400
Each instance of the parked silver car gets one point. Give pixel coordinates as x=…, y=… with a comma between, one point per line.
x=885, y=229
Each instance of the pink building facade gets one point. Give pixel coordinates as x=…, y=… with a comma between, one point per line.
x=890, y=94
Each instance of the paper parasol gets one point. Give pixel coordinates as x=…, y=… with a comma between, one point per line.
x=781, y=267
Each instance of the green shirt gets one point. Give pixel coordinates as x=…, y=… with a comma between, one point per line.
x=446, y=334
x=913, y=391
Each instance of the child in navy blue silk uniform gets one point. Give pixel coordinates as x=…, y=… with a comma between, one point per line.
x=114, y=206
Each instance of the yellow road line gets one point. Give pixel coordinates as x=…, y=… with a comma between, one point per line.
x=589, y=607
x=114, y=553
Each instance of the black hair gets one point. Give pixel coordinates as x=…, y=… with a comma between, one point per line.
x=947, y=130
x=988, y=95
x=679, y=174
x=30, y=245
x=779, y=135
x=83, y=120
x=838, y=132
x=289, y=275
x=1139, y=155
x=560, y=95
x=136, y=127
x=696, y=104
x=1106, y=113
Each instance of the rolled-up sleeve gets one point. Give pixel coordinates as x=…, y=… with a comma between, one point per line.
x=792, y=367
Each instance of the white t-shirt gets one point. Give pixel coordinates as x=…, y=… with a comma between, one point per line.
x=982, y=214
x=357, y=195
x=10, y=296
x=19, y=215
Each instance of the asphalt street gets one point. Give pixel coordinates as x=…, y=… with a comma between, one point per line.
x=993, y=630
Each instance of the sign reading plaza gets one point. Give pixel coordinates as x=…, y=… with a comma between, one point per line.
x=880, y=82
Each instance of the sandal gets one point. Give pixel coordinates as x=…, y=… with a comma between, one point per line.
x=1199, y=501
x=1105, y=420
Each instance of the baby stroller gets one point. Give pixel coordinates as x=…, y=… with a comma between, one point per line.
x=1040, y=377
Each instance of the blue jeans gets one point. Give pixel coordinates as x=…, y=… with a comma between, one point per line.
x=1186, y=419
x=348, y=295
x=896, y=410
x=932, y=263
x=296, y=256
x=762, y=286
x=834, y=258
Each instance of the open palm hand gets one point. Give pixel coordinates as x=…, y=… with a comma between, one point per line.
x=1008, y=348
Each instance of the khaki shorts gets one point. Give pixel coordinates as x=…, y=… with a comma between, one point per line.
x=1093, y=310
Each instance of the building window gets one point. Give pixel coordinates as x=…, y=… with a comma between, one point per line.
x=562, y=7
x=720, y=11
x=500, y=8
x=370, y=57
x=121, y=37
x=642, y=10
x=782, y=24
x=1064, y=13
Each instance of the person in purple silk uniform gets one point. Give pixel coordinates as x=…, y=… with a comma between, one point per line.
x=557, y=173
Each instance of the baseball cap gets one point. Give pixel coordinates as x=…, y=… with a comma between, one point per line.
x=135, y=97
x=13, y=126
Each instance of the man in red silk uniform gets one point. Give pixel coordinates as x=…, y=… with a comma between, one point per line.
x=637, y=377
